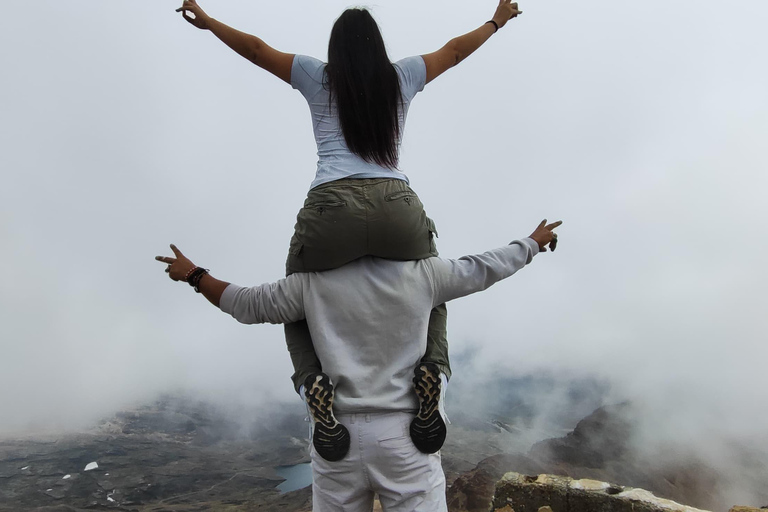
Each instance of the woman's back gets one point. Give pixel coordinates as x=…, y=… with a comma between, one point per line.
x=335, y=160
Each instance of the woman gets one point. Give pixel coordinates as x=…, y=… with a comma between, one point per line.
x=359, y=203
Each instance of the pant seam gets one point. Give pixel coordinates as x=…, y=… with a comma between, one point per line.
x=363, y=465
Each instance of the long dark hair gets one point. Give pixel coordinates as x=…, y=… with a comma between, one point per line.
x=364, y=84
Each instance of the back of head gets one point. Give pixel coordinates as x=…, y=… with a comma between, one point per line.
x=365, y=87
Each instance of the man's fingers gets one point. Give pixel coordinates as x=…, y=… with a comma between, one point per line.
x=554, y=225
x=176, y=251
x=166, y=259
x=542, y=224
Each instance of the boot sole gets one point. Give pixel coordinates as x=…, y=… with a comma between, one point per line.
x=428, y=429
x=330, y=438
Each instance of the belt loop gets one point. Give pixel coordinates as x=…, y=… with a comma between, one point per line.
x=367, y=418
x=352, y=418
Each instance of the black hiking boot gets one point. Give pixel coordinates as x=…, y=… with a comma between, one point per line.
x=330, y=438
x=428, y=428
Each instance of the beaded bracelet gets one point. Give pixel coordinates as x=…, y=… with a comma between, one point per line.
x=189, y=273
x=194, y=276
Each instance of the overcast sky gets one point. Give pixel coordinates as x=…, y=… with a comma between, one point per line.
x=642, y=126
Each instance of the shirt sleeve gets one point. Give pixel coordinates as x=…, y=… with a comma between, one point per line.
x=452, y=279
x=307, y=75
x=413, y=75
x=281, y=302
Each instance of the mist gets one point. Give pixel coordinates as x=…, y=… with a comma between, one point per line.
x=124, y=130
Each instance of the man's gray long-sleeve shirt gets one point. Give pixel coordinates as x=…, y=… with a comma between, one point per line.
x=369, y=318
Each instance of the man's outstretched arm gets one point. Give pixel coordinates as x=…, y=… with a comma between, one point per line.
x=470, y=274
x=275, y=303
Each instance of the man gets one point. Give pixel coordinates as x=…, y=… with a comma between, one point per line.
x=368, y=321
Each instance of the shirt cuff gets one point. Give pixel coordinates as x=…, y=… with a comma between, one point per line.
x=533, y=244
x=227, y=300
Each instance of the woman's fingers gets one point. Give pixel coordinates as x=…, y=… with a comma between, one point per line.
x=166, y=259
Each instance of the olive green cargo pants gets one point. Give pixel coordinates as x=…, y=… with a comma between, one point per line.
x=347, y=219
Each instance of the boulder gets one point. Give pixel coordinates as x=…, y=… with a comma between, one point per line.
x=524, y=493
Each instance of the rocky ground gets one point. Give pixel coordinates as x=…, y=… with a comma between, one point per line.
x=190, y=456
x=174, y=455
x=598, y=449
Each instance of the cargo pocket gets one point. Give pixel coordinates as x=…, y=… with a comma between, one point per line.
x=296, y=247
x=432, y=235
x=409, y=197
x=321, y=207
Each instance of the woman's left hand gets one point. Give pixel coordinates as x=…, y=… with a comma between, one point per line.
x=179, y=267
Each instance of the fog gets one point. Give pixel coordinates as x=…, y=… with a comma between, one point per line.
x=643, y=128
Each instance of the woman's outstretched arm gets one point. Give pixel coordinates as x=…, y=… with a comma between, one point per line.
x=459, y=48
x=250, y=47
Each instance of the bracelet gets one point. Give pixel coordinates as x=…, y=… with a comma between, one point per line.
x=193, y=277
x=196, y=280
x=495, y=25
x=189, y=273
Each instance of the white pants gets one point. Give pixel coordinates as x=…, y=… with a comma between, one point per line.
x=381, y=460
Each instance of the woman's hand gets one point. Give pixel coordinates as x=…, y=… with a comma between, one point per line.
x=179, y=267
x=198, y=18
x=544, y=235
x=505, y=12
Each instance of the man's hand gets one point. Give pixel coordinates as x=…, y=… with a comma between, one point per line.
x=544, y=235
x=505, y=12
x=178, y=267
x=198, y=18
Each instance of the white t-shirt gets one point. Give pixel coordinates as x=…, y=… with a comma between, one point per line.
x=335, y=161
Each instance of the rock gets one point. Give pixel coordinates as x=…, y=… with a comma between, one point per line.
x=739, y=508
x=542, y=493
x=473, y=491
x=598, y=438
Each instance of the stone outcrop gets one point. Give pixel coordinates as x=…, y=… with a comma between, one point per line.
x=473, y=490
x=523, y=493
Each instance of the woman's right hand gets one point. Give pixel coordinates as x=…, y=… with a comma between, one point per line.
x=198, y=18
x=505, y=12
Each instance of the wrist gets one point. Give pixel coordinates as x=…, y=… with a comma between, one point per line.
x=194, y=276
x=493, y=25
